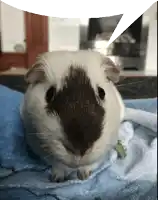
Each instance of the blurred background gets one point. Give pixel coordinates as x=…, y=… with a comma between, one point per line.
x=24, y=35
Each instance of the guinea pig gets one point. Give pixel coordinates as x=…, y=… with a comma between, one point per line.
x=72, y=110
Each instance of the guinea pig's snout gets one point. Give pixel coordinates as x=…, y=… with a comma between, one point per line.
x=76, y=151
x=81, y=133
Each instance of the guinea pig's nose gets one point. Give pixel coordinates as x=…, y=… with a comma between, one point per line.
x=82, y=152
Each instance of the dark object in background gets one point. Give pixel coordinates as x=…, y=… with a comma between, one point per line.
x=14, y=82
x=129, y=49
x=135, y=29
x=138, y=87
x=130, y=87
x=94, y=28
x=98, y=26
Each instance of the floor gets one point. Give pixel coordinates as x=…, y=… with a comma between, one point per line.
x=130, y=87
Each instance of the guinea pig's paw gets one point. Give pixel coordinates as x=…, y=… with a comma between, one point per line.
x=83, y=174
x=57, y=175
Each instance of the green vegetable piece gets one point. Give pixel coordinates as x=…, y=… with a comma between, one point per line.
x=120, y=150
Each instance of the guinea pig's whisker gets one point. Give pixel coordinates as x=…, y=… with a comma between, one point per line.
x=31, y=133
x=43, y=134
x=122, y=85
x=48, y=156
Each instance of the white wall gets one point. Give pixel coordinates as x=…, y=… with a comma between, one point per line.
x=12, y=27
x=64, y=34
x=151, y=58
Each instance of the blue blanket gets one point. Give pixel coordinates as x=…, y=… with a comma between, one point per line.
x=24, y=176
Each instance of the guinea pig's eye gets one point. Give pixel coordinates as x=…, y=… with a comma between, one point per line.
x=50, y=94
x=101, y=93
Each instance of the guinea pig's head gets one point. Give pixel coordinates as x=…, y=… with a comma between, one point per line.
x=70, y=96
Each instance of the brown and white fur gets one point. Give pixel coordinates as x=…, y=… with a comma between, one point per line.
x=74, y=121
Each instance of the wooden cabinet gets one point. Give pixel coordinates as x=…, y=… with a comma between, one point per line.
x=34, y=40
x=36, y=36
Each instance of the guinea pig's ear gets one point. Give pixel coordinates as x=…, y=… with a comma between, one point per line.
x=36, y=74
x=112, y=72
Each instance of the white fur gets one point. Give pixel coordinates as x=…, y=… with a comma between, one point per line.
x=56, y=66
